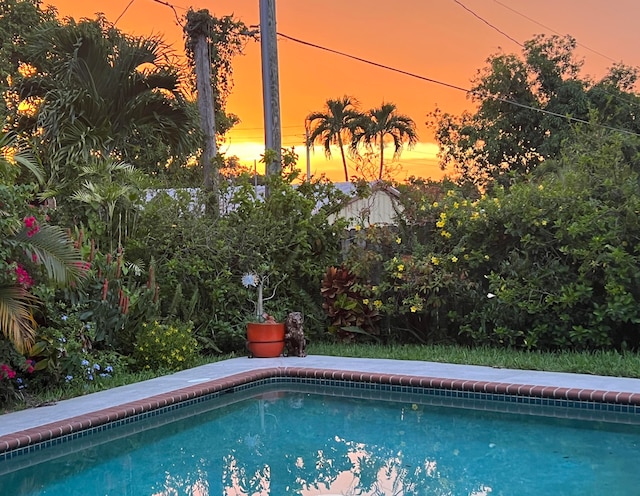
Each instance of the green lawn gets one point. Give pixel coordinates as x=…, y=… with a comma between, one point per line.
x=609, y=363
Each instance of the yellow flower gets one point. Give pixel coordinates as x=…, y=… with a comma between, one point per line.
x=540, y=187
x=475, y=215
x=544, y=222
x=365, y=301
x=436, y=204
x=440, y=223
x=358, y=227
x=445, y=234
x=443, y=215
x=414, y=309
x=456, y=204
x=486, y=257
x=423, y=207
x=400, y=267
x=454, y=259
x=377, y=304
x=398, y=240
x=450, y=192
x=435, y=260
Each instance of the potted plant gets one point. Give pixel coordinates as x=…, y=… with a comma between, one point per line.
x=265, y=336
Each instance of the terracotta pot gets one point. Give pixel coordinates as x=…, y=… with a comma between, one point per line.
x=265, y=339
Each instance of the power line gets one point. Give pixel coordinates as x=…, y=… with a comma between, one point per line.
x=614, y=95
x=488, y=23
x=172, y=7
x=370, y=62
x=551, y=29
x=123, y=12
x=455, y=87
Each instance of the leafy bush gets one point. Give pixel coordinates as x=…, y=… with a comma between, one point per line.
x=519, y=267
x=165, y=346
x=350, y=313
x=200, y=260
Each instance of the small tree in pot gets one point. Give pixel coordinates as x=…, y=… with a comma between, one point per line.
x=265, y=336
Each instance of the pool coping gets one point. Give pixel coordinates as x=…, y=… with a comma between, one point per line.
x=101, y=416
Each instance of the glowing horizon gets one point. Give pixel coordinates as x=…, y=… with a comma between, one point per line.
x=422, y=158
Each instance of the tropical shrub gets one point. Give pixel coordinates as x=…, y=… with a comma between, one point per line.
x=200, y=260
x=567, y=272
x=169, y=346
x=523, y=266
x=15, y=373
x=349, y=311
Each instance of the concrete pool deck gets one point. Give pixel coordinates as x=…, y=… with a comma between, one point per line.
x=18, y=429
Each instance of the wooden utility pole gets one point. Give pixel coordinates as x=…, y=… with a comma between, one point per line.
x=270, y=83
x=202, y=61
x=306, y=142
x=198, y=29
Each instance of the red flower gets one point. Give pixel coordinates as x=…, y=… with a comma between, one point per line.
x=31, y=224
x=7, y=371
x=23, y=277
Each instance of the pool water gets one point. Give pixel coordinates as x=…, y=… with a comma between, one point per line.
x=278, y=442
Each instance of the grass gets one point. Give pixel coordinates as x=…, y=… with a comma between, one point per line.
x=607, y=363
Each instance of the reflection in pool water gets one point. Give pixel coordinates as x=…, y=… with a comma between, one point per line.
x=301, y=443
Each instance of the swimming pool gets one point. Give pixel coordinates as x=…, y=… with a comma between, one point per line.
x=345, y=436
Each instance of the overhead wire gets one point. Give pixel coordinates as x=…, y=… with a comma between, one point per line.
x=478, y=16
x=551, y=29
x=488, y=23
x=123, y=12
x=172, y=7
x=456, y=87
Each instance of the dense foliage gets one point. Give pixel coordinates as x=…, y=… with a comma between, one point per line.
x=534, y=245
x=527, y=108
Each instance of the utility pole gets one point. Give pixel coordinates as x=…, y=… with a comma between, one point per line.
x=270, y=83
x=306, y=140
x=197, y=29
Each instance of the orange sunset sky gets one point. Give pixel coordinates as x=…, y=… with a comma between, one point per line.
x=436, y=39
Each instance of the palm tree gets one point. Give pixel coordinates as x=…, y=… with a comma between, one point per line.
x=106, y=93
x=377, y=124
x=330, y=126
x=49, y=246
x=114, y=191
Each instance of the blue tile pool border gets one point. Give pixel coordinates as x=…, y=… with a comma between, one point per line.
x=562, y=400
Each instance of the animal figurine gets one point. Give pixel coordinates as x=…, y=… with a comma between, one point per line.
x=294, y=340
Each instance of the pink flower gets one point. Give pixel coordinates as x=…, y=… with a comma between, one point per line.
x=23, y=277
x=29, y=222
x=30, y=366
x=32, y=226
x=7, y=372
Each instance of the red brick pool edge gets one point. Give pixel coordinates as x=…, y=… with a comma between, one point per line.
x=56, y=429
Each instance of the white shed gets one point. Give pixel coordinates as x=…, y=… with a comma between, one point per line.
x=380, y=207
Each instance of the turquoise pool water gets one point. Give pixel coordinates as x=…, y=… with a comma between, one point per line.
x=278, y=442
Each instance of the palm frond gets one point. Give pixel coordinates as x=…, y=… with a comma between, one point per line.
x=16, y=316
x=55, y=251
